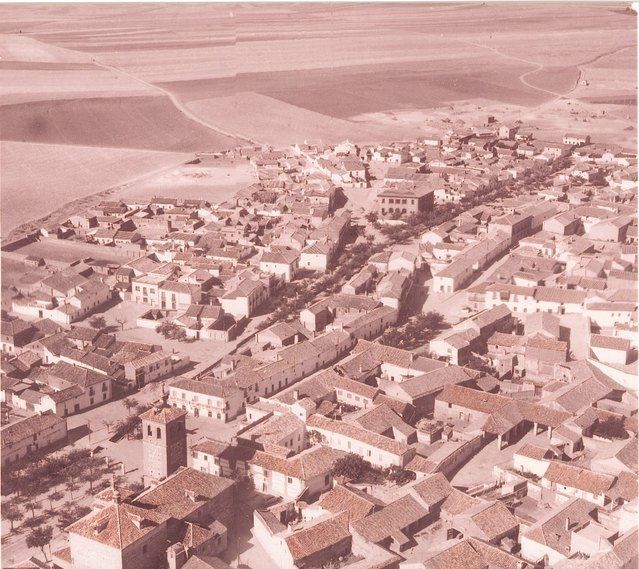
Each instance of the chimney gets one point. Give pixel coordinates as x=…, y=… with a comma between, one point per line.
x=296, y=338
x=191, y=495
x=176, y=556
x=296, y=394
x=567, y=524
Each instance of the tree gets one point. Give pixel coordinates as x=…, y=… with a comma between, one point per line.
x=392, y=337
x=478, y=364
x=399, y=475
x=611, y=428
x=12, y=513
x=71, y=486
x=40, y=537
x=434, y=321
x=171, y=331
x=71, y=514
x=33, y=506
x=98, y=322
x=54, y=497
x=130, y=403
x=351, y=466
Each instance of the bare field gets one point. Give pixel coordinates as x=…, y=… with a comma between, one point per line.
x=287, y=73
x=212, y=179
x=348, y=91
x=27, y=81
x=150, y=123
x=39, y=178
x=271, y=121
x=20, y=47
x=557, y=79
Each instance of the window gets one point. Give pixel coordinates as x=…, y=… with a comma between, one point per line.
x=289, y=480
x=144, y=548
x=149, y=432
x=158, y=433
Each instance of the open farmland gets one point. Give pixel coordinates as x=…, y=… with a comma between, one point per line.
x=150, y=123
x=22, y=82
x=349, y=91
x=191, y=78
x=36, y=178
x=557, y=79
x=273, y=121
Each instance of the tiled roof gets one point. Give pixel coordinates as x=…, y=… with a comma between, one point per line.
x=580, y=478
x=205, y=388
x=495, y=520
x=391, y=520
x=460, y=555
x=77, y=375
x=432, y=490
x=609, y=342
x=316, y=461
x=28, y=427
x=162, y=414
x=357, y=503
x=535, y=452
x=318, y=537
x=398, y=357
x=552, y=531
x=357, y=433
x=119, y=525
x=170, y=497
x=473, y=399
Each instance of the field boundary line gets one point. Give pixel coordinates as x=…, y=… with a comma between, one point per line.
x=176, y=102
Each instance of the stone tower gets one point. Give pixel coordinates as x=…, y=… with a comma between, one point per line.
x=163, y=439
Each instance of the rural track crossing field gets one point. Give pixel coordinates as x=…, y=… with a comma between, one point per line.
x=176, y=102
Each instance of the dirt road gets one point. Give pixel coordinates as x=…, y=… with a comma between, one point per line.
x=176, y=102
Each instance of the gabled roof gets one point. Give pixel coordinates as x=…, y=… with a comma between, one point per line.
x=391, y=520
x=309, y=464
x=356, y=503
x=118, y=525
x=318, y=537
x=580, y=478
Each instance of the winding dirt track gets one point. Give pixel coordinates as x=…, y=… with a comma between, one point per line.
x=176, y=102
x=539, y=66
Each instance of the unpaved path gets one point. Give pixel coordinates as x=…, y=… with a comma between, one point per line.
x=176, y=102
x=539, y=66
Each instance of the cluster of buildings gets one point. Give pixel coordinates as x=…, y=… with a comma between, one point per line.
x=508, y=441
x=50, y=369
